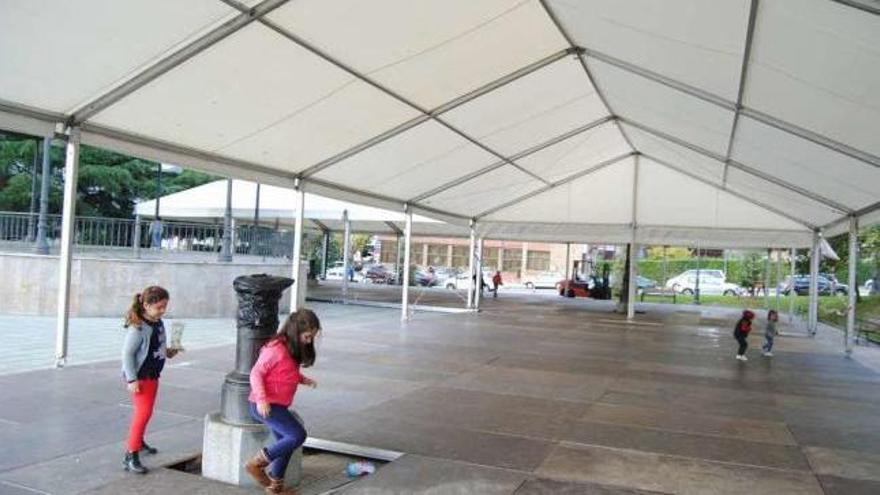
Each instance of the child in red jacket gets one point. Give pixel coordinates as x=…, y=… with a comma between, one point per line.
x=274, y=380
x=741, y=333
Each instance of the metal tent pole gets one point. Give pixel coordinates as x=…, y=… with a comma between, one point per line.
x=407, y=245
x=853, y=288
x=298, y=283
x=71, y=166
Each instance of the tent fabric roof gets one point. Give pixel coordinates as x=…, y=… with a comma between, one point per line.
x=687, y=122
x=209, y=201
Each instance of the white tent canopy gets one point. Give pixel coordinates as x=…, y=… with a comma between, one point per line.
x=209, y=201
x=724, y=123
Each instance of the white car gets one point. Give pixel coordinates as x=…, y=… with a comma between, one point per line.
x=709, y=285
x=543, y=280
x=337, y=272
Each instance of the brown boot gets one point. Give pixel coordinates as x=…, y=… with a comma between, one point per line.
x=256, y=466
x=276, y=487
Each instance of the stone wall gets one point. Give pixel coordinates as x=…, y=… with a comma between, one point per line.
x=105, y=287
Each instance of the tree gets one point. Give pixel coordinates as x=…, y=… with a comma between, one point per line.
x=672, y=253
x=108, y=185
x=871, y=249
x=752, y=270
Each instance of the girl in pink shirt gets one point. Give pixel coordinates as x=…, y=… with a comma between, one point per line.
x=274, y=379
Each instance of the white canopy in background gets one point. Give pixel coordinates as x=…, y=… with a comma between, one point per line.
x=725, y=123
x=209, y=201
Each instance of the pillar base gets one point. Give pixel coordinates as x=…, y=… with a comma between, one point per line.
x=227, y=447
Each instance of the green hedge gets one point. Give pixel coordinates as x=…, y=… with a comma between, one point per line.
x=653, y=269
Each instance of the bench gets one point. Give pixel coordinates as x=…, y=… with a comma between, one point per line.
x=868, y=331
x=658, y=292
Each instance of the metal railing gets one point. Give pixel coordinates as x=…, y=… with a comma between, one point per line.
x=20, y=230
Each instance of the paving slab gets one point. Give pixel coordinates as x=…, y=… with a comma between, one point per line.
x=844, y=463
x=646, y=471
x=413, y=474
x=775, y=432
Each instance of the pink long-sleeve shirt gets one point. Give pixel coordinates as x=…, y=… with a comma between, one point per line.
x=275, y=376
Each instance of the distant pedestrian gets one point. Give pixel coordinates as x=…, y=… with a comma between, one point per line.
x=143, y=357
x=156, y=233
x=770, y=333
x=496, y=282
x=274, y=380
x=741, y=333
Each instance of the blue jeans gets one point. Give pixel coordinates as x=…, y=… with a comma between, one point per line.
x=289, y=435
x=768, y=343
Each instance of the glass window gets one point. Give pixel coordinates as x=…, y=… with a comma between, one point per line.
x=490, y=258
x=437, y=254
x=460, y=256
x=538, y=260
x=512, y=261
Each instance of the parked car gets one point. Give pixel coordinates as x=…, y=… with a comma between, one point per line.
x=544, y=280
x=712, y=282
x=642, y=283
x=379, y=274
x=825, y=286
x=336, y=272
x=679, y=279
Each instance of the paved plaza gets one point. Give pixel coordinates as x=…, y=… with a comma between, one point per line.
x=533, y=395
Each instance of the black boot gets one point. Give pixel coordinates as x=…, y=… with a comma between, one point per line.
x=132, y=462
x=149, y=450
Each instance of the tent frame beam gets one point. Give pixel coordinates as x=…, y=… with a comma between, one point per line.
x=321, y=226
x=579, y=51
x=726, y=188
x=839, y=208
x=446, y=107
x=570, y=178
x=859, y=5
x=719, y=101
x=278, y=176
x=173, y=60
x=402, y=99
x=394, y=228
x=750, y=33
x=522, y=154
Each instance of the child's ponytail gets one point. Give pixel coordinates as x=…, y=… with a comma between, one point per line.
x=150, y=295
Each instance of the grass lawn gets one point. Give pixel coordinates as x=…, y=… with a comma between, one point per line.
x=831, y=308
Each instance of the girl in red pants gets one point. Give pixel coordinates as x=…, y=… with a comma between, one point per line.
x=143, y=357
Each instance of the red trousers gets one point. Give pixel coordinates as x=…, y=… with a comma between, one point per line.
x=143, y=402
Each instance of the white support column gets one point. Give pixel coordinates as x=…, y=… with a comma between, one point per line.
x=567, y=260
x=767, y=279
x=815, y=255
x=346, y=253
x=325, y=250
x=778, y=278
x=524, y=263
x=407, y=245
x=398, y=260
x=136, y=237
x=472, y=282
x=792, y=294
x=71, y=172
x=226, y=242
x=478, y=292
x=298, y=283
x=853, y=288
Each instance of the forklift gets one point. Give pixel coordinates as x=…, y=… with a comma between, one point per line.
x=586, y=282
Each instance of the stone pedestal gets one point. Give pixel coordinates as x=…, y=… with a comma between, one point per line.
x=227, y=447
x=232, y=436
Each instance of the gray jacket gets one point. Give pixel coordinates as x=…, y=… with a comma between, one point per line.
x=136, y=347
